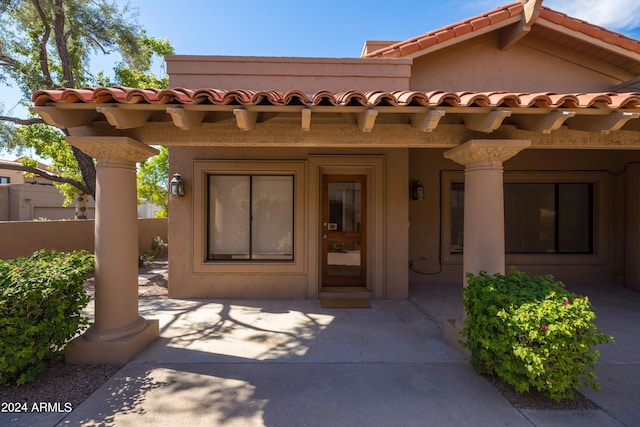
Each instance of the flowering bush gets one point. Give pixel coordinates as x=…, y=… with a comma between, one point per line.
x=531, y=332
x=40, y=304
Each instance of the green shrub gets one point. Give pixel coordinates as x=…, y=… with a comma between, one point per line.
x=531, y=333
x=42, y=297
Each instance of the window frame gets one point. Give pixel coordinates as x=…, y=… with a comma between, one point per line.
x=250, y=221
x=601, y=201
x=201, y=170
x=558, y=218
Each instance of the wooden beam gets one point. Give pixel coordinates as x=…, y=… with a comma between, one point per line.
x=306, y=119
x=121, y=118
x=485, y=122
x=246, y=120
x=367, y=119
x=64, y=119
x=514, y=33
x=427, y=121
x=602, y=124
x=185, y=119
x=542, y=123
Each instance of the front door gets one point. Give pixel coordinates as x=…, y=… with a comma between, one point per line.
x=344, y=230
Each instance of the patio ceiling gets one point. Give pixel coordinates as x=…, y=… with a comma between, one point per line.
x=128, y=108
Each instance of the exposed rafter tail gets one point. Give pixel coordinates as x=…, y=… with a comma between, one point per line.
x=512, y=34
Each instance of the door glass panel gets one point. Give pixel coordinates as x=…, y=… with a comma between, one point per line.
x=343, y=258
x=344, y=255
x=344, y=206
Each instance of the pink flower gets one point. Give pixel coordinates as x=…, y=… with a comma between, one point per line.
x=567, y=302
x=20, y=270
x=543, y=327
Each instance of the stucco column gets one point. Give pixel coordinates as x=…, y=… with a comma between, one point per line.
x=483, y=209
x=116, y=252
x=118, y=332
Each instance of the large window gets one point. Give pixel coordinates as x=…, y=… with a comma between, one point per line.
x=250, y=218
x=539, y=217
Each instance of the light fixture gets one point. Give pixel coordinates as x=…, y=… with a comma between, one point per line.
x=418, y=191
x=176, y=186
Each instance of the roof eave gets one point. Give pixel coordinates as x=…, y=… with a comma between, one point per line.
x=631, y=54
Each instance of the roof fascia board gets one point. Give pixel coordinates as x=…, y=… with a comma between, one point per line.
x=588, y=39
x=460, y=39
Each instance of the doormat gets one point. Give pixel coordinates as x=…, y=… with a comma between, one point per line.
x=344, y=303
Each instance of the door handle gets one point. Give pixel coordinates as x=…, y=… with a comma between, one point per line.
x=324, y=236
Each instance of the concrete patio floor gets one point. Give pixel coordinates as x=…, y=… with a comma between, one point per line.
x=293, y=363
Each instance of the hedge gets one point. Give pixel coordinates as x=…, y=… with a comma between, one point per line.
x=42, y=297
x=531, y=333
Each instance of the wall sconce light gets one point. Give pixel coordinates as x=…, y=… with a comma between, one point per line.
x=418, y=191
x=176, y=186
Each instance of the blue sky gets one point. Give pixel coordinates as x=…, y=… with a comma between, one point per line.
x=333, y=28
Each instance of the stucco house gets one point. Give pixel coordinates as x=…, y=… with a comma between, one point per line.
x=25, y=198
x=509, y=138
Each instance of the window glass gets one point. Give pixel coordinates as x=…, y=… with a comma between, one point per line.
x=538, y=217
x=229, y=216
x=250, y=217
x=457, y=216
x=529, y=218
x=272, y=213
x=575, y=218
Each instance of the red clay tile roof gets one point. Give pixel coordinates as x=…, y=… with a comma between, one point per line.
x=245, y=98
x=494, y=17
x=440, y=35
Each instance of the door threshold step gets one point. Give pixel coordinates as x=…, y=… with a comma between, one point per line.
x=345, y=292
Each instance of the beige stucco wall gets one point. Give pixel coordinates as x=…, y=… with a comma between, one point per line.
x=606, y=265
x=529, y=66
x=4, y=202
x=285, y=73
x=15, y=177
x=191, y=276
x=25, y=202
x=22, y=238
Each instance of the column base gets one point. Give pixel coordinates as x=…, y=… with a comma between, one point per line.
x=452, y=336
x=114, y=352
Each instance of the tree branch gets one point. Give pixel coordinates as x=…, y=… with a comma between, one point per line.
x=7, y=61
x=44, y=174
x=61, y=44
x=18, y=121
x=44, y=59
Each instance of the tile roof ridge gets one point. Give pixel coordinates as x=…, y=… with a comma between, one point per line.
x=448, y=32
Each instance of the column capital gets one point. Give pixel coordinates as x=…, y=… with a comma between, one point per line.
x=113, y=147
x=490, y=153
